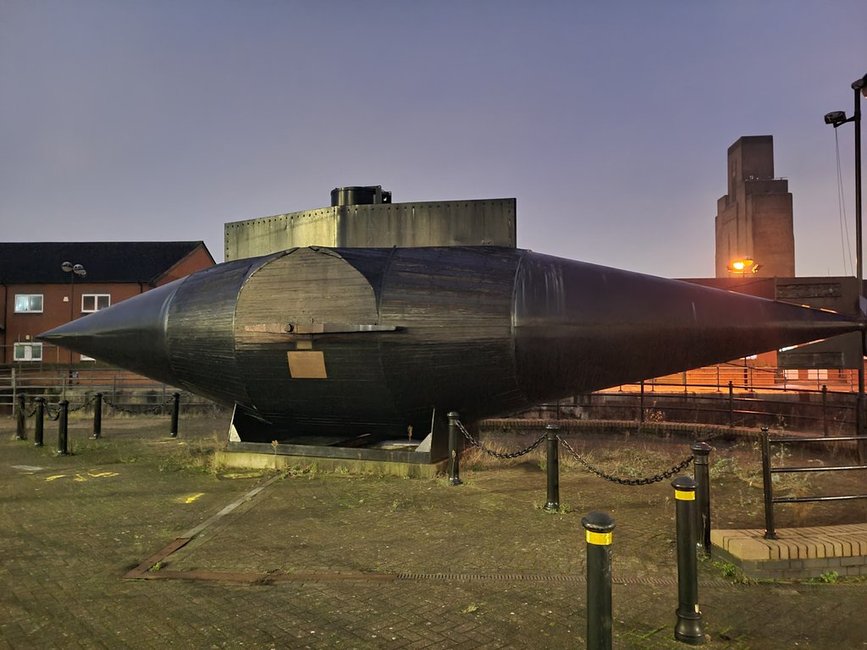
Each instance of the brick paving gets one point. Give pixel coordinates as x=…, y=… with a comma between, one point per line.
x=352, y=562
x=811, y=551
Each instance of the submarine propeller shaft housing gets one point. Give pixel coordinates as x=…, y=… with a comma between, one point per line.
x=334, y=341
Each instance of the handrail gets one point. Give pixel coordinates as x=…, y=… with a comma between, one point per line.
x=768, y=472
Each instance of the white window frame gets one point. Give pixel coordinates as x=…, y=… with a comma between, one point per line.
x=29, y=296
x=95, y=297
x=32, y=352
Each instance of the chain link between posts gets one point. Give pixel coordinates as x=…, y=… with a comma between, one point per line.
x=72, y=409
x=497, y=454
x=647, y=480
x=156, y=409
x=87, y=402
x=52, y=416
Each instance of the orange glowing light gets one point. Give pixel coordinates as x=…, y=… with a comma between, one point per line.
x=743, y=266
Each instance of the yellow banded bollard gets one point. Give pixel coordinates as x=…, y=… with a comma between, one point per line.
x=688, y=628
x=598, y=527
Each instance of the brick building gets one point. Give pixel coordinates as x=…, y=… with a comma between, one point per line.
x=37, y=294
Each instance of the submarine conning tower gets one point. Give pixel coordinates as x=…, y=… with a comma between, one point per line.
x=364, y=216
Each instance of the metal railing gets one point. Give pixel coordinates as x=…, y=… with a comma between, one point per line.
x=768, y=472
x=803, y=409
x=124, y=392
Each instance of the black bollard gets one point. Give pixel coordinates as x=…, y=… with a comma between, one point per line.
x=97, y=416
x=20, y=418
x=63, y=429
x=553, y=444
x=598, y=527
x=39, y=428
x=176, y=411
x=454, y=458
x=701, y=451
x=688, y=628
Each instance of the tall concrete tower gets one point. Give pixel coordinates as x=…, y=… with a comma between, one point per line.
x=754, y=220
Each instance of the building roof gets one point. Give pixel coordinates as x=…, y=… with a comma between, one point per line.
x=39, y=262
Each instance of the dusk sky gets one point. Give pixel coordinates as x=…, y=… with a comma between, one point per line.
x=609, y=121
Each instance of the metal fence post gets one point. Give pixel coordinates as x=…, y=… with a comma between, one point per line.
x=825, y=410
x=63, y=429
x=731, y=405
x=39, y=427
x=701, y=451
x=14, y=386
x=767, y=484
x=97, y=416
x=688, y=628
x=553, y=444
x=176, y=409
x=598, y=527
x=454, y=459
x=20, y=418
x=641, y=404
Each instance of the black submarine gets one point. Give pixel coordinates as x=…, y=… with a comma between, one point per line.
x=334, y=342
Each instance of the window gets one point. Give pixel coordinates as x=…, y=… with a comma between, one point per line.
x=819, y=373
x=28, y=303
x=27, y=352
x=91, y=302
x=792, y=373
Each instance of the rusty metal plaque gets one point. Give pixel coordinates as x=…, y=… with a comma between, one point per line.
x=309, y=364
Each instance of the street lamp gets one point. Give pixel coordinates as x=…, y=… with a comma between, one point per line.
x=743, y=266
x=73, y=270
x=835, y=119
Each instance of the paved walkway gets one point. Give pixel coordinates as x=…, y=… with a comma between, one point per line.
x=310, y=560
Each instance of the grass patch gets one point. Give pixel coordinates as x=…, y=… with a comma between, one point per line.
x=196, y=456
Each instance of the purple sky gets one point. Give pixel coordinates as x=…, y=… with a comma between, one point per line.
x=163, y=119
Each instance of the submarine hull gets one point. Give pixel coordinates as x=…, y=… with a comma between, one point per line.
x=340, y=342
